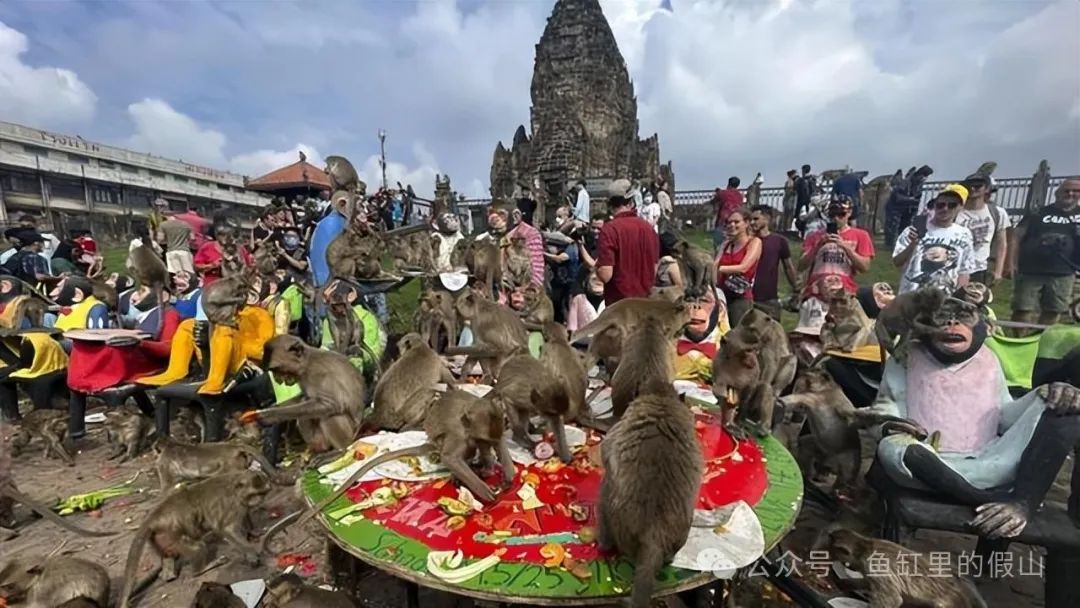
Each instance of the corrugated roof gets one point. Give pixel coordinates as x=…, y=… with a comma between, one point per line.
x=297, y=175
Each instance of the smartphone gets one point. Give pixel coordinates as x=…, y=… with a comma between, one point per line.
x=919, y=223
x=831, y=227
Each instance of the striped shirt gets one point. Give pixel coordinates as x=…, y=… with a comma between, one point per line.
x=534, y=243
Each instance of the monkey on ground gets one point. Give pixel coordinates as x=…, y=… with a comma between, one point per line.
x=330, y=409
x=895, y=575
x=125, y=429
x=907, y=314
x=517, y=264
x=777, y=362
x=435, y=318
x=497, y=331
x=460, y=428
x=177, y=461
x=180, y=525
x=405, y=389
x=648, y=359
x=216, y=595
x=10, y=495
x=289, y=591
x=48, y=425
x=55, y=581
x=652, y=474
x=740, y=389
x=526, y=388
x=846, y=326
x=538, y=310
x=698, y=269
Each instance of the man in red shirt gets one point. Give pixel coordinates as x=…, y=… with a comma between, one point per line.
x=199, y=225
x=727, y=200
x=628, y=249
x=209, y=258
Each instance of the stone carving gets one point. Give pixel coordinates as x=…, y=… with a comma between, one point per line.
x=584, y=113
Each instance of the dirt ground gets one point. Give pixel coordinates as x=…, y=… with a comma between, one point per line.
x=49, y=480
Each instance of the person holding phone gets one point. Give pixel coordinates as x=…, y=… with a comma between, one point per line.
x=835, y=254
x=935, y=250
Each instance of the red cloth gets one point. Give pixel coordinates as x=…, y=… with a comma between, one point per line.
x=729, y=256
x=831, y=259
x=159, y=349
x=707, y=348
x=210, y=253
x=630, y=246
x=198, y=224
x=419, y=517
x=726, y=201
x=96, y=366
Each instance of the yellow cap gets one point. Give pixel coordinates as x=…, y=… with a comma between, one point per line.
x=958, y=190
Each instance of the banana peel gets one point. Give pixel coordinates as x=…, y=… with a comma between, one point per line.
x=446, y=565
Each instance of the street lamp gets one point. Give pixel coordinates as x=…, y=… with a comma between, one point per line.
x=382, y=155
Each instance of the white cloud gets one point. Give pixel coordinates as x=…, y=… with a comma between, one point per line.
x=260, y=162
x=39, y=95
x=162, y=130
x=421, y=175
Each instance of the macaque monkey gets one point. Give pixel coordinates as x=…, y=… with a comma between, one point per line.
x=846, y=326
x=892, y=583
x=671, y=293
x=266, y=257
x=497, y=331
x=538, y=310
x=738, y=384
x=331, y=409
x=9, y=495
x=517, y=263
x=403, y=393
x=527, y=388
x=343, y=175
x=483, y=258
x=180, y=524
x=48, y=425
x=567, y=364
x=908, y=314
x=628, y=313
x=460, y=428
x=435, y=318
x=223, y=298
x=346, y=330
x=698, y=269
x=652, y=474
x=178, y=461
x=216, y=595
x=289, y=591
x=125, y=429
x=777, y=362
x=355, y=253
x=413, y=251
x=55, y=581
x=148, y=269
x=648, y=360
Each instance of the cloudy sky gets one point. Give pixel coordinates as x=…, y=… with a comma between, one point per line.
x=732, y=86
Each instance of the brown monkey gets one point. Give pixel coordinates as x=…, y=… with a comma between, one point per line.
x=606, y=348
x=527, y=388
x=648, y=360
x=652, y=475
x=908, y=313
x=777, y=362
x=356, y=251
x=343, y=175
x=178, y=461
x=56, y=581
x=223, y=298
x=698, y=268
x=483, y=258
x=266, y=257
x=240, y=432
x=9, y=495
x=538, y=310
x=289, y=591
x=670, y=293
x=412, y=251
x=81, y=602
x=497, y=331
x=148, y=269
x=892, y=583
x=403, y=393
x=435, y=318
x=460, y=428
x=125, y=429
x=738, y=384
x=566, y=364
x=346, y=330
x=331, y=409
x=626, y=314
x=48, y=425
x=846, y=326
x=179, y=525
x=517, y=264
x=216, y=595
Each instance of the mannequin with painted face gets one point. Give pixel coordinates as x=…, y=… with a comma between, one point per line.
x=986, y=450
x=80, y=309
x=447, y=234
x=697, y=346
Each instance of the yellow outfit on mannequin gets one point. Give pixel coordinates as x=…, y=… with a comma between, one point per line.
x=229, y=349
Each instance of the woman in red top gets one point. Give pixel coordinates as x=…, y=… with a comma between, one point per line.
x=737, y=264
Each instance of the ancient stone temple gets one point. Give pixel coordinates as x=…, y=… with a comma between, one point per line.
x=584, y=112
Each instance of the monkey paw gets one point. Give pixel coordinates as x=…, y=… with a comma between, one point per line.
x=1000, y=519
x=737, y=431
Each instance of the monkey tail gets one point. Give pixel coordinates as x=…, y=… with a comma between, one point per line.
x=317, y=508
x=53, y=517
x=134, y=555
x=649, y=562
x=267, y=467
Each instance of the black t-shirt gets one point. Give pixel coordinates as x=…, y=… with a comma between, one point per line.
x=1051, y=241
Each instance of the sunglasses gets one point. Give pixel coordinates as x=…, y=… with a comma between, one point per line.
x=946, y=204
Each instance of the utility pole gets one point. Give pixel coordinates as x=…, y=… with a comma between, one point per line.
x=382, y=155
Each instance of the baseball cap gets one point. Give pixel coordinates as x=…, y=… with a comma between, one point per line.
x=956, y=189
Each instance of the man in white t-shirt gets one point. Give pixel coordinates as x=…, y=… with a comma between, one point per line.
x=650, y=211
x=935, y=251
x=987, y=223
x=582, y=205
